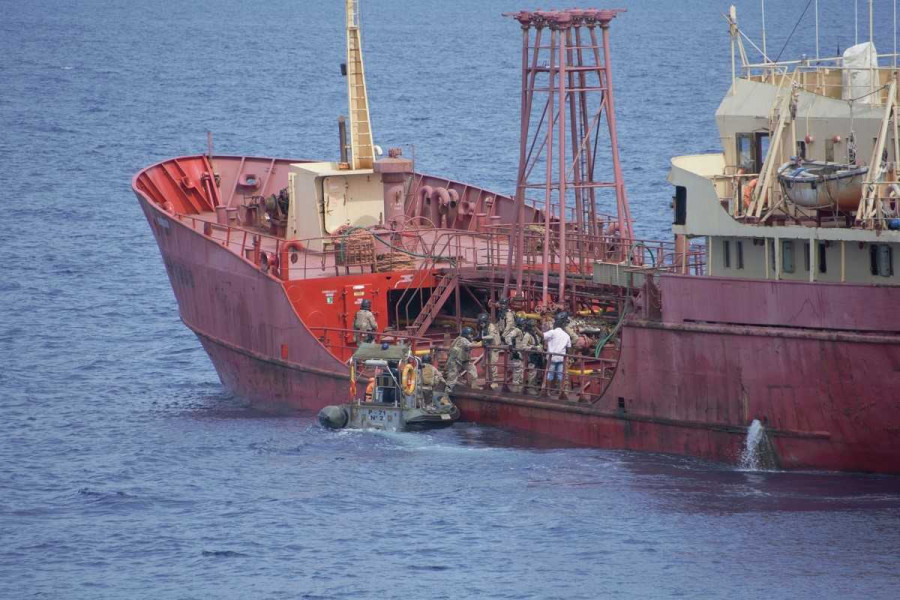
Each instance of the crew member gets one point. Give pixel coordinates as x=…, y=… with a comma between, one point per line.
x=563, y=321
x=490, y=337
x=364, y=324
x=459, y=360
x=558, y=342
x=431, y=376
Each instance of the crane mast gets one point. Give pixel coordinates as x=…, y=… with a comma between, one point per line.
x=362, y=154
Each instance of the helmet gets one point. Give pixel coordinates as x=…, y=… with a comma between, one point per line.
x=467, y=332
x=366, y=304
x=531, y=324
x=484, y=319
x=503, y=303
x=426, y=359
x=561, y=319
x=520, y=322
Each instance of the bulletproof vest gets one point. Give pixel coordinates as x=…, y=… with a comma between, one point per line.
x=361, y=319
x=428, y=376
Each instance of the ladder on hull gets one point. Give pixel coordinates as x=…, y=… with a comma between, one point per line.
x=439, y=296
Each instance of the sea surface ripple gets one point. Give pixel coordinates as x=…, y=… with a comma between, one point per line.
x=126, y=471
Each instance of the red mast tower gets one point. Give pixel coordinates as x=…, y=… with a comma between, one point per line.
x=567, y=93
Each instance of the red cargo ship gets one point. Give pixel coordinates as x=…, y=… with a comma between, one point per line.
x=763, y=308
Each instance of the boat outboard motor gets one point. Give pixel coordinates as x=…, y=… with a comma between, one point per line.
x=334, y=417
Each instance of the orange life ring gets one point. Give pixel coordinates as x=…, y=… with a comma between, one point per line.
x=748, y=192
x=408, y=380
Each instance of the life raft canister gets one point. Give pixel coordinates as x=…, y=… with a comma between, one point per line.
x=408, y=380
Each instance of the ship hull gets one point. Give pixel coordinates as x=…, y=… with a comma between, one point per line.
x=680, y=387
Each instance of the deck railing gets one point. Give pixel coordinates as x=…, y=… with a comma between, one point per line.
x=486, y=250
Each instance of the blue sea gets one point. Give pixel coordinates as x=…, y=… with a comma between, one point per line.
x=127, y=471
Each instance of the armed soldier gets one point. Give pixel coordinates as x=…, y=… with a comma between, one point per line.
x=459, y=360
x=490, y=337
x=514, y=338
x=506, y=318
x=364, y=324
x=536, y=361
x=431, y=376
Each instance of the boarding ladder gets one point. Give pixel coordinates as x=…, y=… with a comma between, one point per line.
x=439, y=296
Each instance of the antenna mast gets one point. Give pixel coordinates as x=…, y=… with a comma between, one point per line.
x=361, y=145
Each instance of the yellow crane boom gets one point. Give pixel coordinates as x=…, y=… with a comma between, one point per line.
x=362, y=153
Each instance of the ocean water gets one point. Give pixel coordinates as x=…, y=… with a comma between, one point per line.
x=126, y=471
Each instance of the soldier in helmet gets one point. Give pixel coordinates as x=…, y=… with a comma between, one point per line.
x=506, y=318
x=536, y=360
x=431, y=376
x=459, y=360
x=515, y=339
x=364, y=324
x=490, y=337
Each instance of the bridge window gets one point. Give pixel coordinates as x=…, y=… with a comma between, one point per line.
x=739, y=247
x=726, y=253
x=751, y=151
x=823, y=264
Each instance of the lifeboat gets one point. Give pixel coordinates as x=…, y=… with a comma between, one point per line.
x=818, y=184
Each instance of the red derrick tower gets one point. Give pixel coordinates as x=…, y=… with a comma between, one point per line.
x=567, y=94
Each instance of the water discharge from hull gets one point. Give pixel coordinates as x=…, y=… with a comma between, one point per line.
x=757, y=454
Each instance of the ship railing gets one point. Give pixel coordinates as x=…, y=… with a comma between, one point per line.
x=585, y=375
x=821, y=76
x=485, y=250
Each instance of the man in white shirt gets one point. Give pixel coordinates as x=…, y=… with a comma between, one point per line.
x=558, y=342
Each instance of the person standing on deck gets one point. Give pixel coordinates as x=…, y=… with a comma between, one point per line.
x=562, y=321
x=364, y=324
x=513, y=339
x=536, y=361
x=558, y=342
x=459, y=360
x=507, y=318
x=490, y=337
x=431, y=376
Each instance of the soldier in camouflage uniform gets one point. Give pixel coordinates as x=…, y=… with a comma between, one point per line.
x=431, y=376
x=364, y=324
x=532, y=339
x=506, y=318
x=459, y=361
x=515, y=340
x=490, y=337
